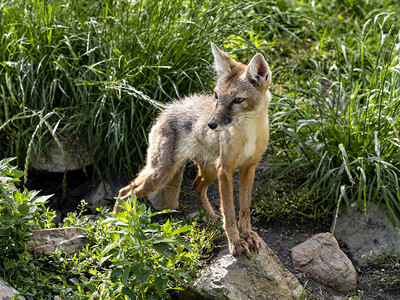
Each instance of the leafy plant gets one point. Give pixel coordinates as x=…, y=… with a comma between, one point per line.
x=136, y=258
x=19, y=212
x=144, y=257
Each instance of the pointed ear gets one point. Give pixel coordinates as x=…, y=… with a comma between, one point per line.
x=222, y=61
x=257, y=71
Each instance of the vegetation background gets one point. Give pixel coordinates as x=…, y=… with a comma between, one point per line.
x=102, y=70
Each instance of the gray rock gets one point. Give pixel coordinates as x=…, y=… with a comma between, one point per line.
x=68, y=240
x=102, y=195
x=261, y=276
x=52, y=159
x=320, y=258
x=7, y=292
x=367, y=237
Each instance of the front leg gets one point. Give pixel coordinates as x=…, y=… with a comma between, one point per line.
x=246, y=180
x=237, y=245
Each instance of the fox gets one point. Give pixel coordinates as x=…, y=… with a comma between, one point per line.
x=220, y=133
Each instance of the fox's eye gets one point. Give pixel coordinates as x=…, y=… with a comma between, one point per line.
x=238, y=100
x=215, y=96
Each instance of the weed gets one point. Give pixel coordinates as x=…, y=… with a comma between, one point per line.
x=287, y=200
x=137, y=258
x=385, y=275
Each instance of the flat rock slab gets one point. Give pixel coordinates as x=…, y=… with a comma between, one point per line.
x=7, y=292
x=261, y=276
x=367, y=237
x=320, y=258
x=68, y=240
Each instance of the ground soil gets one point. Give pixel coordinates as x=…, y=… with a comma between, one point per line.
x=375, y=281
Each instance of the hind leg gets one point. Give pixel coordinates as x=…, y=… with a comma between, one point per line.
x=206, y=175
x=162, y=163
x=167, y=197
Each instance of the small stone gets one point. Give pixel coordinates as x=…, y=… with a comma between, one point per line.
x=68, y=240
x=320, y=258
x=194, y=215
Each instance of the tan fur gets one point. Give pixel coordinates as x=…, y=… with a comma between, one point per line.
x=237, y=140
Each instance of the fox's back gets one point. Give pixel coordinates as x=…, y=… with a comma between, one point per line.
x=187, y=120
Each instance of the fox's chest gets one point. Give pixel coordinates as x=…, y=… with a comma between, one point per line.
x=254, y=139
x=249, y=147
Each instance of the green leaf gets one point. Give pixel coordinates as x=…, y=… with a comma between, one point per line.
x=142, y=275
x=128, y=292
x=159, y=239
x=115, y=274
x=124, y=205
x=167, y=228
x=23, y=208
x=104, y=259
x=182, y=229
x=164, y=249
x=108, y=248
x=125, y=275
x=42, y=199
x=140, y=235
x=160, y=284
x=182, y=273
x=181, y=241
x=153, y=228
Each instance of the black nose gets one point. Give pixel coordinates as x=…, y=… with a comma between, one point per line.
x=212, y=125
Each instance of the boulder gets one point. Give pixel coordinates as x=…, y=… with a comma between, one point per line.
x=7, y=292
x=68, y=240
x=367, y=236
x=73, y=156
x=259, y=276
x=321, y=258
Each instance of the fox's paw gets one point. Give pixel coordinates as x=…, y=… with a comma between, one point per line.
x=214, y=218
x=125, y=192
x=251, y=239
x=238, y=247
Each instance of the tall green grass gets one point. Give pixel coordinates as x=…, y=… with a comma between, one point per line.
x=336, y=113
x=101, y=69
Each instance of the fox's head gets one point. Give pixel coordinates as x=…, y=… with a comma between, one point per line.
x=240, y=90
